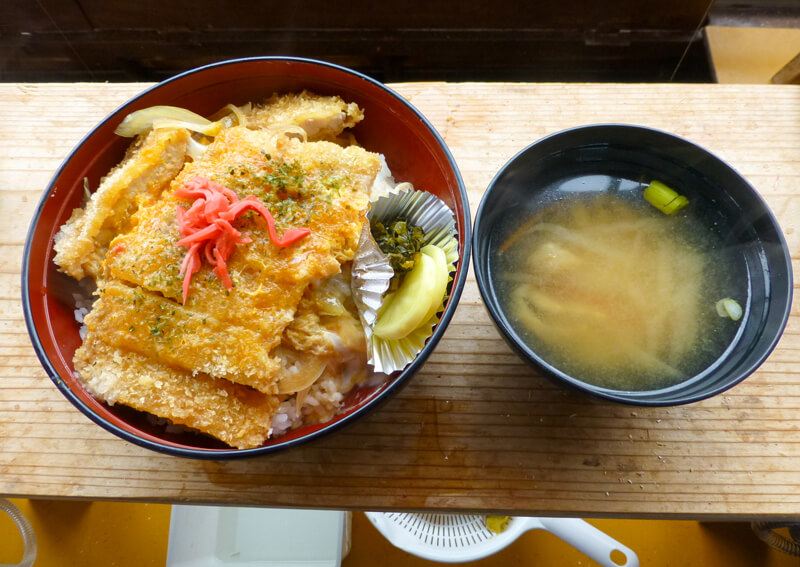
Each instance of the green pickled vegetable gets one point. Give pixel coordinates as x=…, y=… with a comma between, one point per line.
x=399, y=241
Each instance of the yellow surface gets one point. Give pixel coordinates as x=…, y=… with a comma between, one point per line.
x=89, y=534
x=105, y=534
x=748, y=55
x=658, y=543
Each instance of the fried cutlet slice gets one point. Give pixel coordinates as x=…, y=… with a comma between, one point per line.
x=237, y=415
x=322, y=117
x=150, y=324
x=318, y=185
x=149, y=165
x=149, y=257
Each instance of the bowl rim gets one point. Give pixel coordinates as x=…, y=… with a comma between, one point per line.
x=624, y=396
x=372, y=402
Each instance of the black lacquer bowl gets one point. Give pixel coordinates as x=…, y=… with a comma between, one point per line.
x=414, y=151
x=726, y=202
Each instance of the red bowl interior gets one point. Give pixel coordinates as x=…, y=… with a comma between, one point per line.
x=413, y=150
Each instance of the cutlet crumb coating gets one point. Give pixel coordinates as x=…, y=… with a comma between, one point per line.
x=235, y=414
x=216, y=361
x=149, y=165
x=322, y=117
x=152, y=325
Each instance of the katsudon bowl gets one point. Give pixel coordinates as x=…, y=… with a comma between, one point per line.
x=609, y=277
x=52, y=302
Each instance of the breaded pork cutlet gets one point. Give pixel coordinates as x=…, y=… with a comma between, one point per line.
x=216, y=360
x=136, y=320
x=322, y=117
x=237, y=415
x=151, y=162
x=317, y=185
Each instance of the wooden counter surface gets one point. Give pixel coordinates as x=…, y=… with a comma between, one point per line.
x=475, y=429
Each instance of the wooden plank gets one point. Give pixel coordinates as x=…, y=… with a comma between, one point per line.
x=789, y=74
x=476, y=429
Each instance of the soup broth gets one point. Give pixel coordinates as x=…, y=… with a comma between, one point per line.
x=612, y=291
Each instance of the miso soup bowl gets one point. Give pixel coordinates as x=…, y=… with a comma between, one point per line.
x=414, y=151
x=725, y=202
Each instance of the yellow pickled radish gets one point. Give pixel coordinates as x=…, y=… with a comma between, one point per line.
x=442, y=273
x=387, y=301
x=411, y=302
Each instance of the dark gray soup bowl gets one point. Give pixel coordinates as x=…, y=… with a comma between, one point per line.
x=723, y=200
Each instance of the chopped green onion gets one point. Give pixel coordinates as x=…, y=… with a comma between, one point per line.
x=729, y=308
x=665, y=199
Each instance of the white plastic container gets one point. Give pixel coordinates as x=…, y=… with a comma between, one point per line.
x=210, y=536
x=457, y=538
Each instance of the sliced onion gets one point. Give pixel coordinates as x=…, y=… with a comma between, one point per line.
x=167, y=117
x=211, y=129
x=282, y=132
x=241, y=119
x=195, y=149
x=301, y=370
x=294, y=131
x=232, y=115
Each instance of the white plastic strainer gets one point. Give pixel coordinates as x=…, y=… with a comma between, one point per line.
x=455, y=538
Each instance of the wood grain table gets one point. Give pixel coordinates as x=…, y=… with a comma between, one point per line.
x=475, y=429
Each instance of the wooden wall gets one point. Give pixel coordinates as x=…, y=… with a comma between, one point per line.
x=392, y=40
